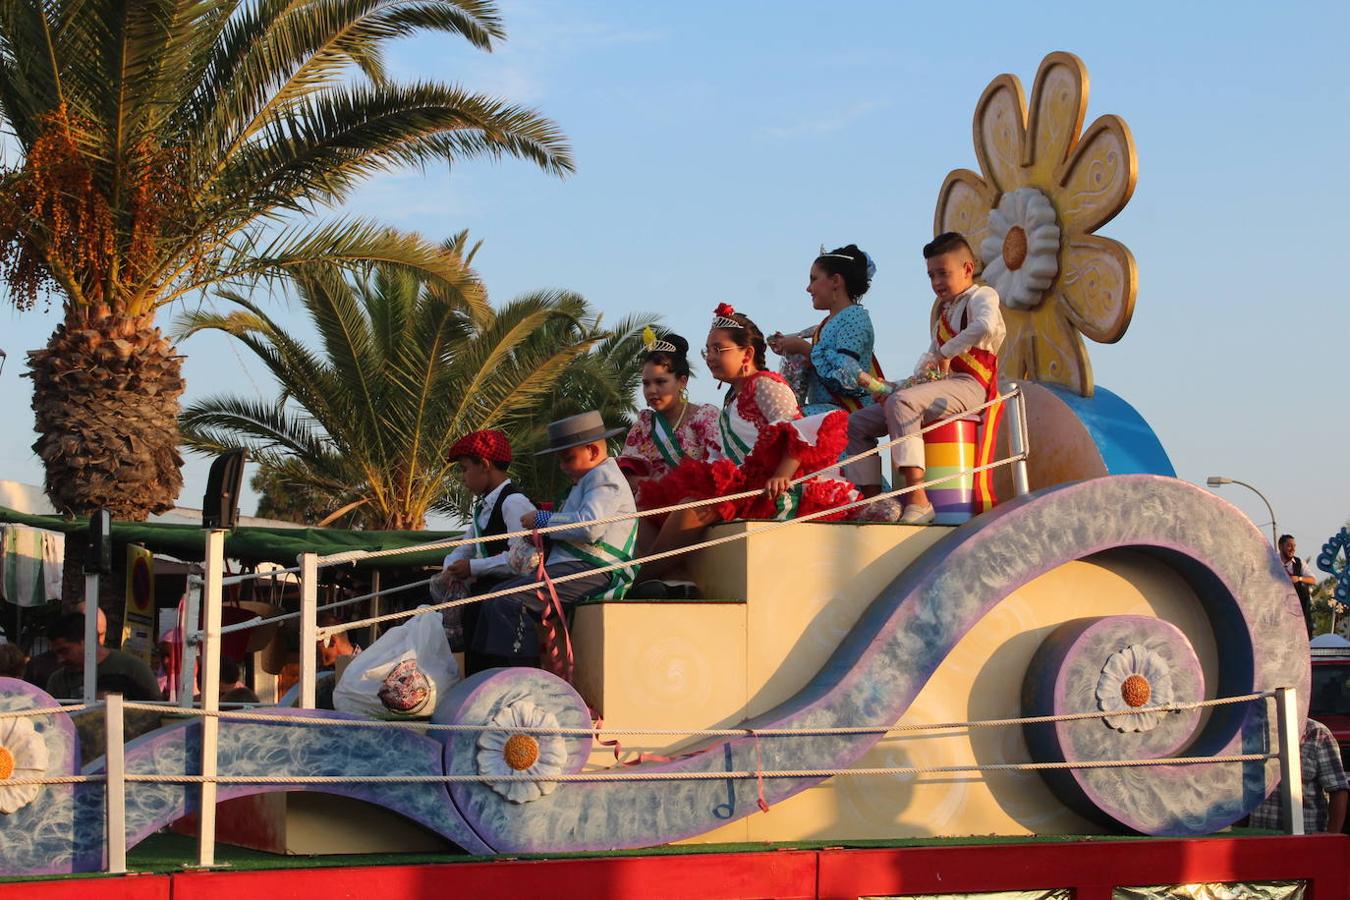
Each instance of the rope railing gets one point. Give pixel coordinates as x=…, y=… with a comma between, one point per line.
x=763, y=528
x=739, y=775
x=35, y=711
x=596, y=731
x=352, y=556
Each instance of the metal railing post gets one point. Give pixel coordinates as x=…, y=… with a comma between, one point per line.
x=192, y=612
x=1291, y=761
x=215, y=564
x=90, y=636
x=309, y=627
x=115, y=785
x=1018, y=442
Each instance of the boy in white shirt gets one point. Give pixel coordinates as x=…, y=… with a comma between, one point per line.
x=967, y=333
x=482, y=458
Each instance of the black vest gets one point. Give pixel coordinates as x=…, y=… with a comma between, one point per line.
x=496, y=524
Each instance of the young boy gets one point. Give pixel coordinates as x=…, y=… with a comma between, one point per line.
x=482, y=458
x=967, y=333
x=505, y=634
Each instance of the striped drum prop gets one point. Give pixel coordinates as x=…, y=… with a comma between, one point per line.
x=947, y=450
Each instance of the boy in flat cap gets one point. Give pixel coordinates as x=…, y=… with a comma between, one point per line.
x=482, y=458
x=505, y=633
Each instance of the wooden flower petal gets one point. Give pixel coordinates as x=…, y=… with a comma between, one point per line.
x=1097, y=284
x=1000, y=133
x=1058, y=105
x=963, y=205
x=1041, y=345
x=1098, y=180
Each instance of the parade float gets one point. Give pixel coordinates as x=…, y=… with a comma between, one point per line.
x=1107, y=651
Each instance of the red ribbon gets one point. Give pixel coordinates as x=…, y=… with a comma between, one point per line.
x=556, y=647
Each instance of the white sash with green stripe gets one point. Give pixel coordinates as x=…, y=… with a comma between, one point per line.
x=604, y=554
x=733, y=447
x=667, y=444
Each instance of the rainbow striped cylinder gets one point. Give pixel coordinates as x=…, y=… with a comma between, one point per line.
x=947, y=450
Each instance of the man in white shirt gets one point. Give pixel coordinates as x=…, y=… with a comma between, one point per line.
x=967, y=333
x=482, y=458
x=1298, y=574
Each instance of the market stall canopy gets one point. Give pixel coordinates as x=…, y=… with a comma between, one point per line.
x=253, y=545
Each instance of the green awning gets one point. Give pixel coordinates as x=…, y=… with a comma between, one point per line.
x=252, y=545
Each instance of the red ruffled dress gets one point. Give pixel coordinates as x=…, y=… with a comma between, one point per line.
x=758, y=426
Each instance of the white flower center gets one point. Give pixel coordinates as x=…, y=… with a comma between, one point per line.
x=1021, y=252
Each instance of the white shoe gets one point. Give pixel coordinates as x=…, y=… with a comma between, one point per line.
x=917, y=515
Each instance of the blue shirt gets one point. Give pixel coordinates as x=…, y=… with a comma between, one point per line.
x=843, y=350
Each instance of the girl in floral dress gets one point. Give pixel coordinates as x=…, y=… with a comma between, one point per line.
x=671, y=428
x=763, y=443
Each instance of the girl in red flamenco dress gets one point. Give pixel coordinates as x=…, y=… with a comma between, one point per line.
x=763, y=444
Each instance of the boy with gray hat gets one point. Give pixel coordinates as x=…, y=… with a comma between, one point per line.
x=505, y=632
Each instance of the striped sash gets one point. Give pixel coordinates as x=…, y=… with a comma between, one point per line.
x=982, y=365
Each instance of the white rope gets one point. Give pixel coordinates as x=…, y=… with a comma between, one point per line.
x=642, y=560
x=53, y=779
x=355, y=555
x=348, y=556
x=707, y=732
x=612, y=775
x=47, y=710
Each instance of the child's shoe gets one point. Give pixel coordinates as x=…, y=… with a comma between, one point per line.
x=917, y=515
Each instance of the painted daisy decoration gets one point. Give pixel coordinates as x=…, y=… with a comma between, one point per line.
x=23, y=754
x=517, y=753
x=1045, y=186
x=1134, y=678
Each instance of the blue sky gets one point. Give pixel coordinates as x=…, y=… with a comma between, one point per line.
x=719, y=144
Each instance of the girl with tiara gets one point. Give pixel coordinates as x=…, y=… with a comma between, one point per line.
x=671, y=428
x=825, y=362
x=763, y=443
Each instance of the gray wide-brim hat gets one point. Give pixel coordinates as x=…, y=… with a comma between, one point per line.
x=574, y=431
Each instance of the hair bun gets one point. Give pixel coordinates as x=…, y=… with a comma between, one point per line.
x=681, y=345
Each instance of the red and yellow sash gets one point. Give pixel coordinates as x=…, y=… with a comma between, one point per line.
x=982, y=365
x=848, y=403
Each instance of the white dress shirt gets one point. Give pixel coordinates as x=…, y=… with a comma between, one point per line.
x=514, y=508
x=984, y=324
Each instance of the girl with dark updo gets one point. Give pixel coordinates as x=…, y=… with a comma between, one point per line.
x=831, y=356
x=671, y=427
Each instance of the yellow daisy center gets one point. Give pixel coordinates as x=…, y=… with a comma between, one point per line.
x=1135, y=690
x=6, y=763
x=1015, y=248
x=520, y=751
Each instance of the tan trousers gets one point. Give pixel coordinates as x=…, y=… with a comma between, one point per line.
x=905, y=412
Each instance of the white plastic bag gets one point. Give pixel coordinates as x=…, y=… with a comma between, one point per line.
x=403, y=675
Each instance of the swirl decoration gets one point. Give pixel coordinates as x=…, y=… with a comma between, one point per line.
x=873, y=677
x=1338, y=545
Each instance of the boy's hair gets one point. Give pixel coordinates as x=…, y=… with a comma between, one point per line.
x=946, y=243
x=70, y=627
x=229, y=670
x=499, y=466
x=12, y=661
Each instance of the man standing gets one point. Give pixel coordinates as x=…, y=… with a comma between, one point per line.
x=1325, y=789
x=1298, y=574
x=67, y=682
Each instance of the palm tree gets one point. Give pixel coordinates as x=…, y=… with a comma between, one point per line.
x=168, y=146
x=406, y=365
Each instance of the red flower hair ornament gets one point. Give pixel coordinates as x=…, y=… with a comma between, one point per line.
x=722, y=317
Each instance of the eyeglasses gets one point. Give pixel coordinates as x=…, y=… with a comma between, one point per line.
x=714, y=352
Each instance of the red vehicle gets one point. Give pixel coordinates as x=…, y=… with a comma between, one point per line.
x=1329, y=702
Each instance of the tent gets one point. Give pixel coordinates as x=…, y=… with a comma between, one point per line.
x=253, y=545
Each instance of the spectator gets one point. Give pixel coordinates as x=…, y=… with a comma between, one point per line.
x=67, y=682
x=1323, y=775
x=12, y=661
x=1298, y=574
x=232, y=689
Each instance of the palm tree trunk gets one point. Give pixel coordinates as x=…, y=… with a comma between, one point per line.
x=105, y=391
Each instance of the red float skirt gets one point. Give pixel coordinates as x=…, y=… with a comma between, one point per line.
x=815, y=441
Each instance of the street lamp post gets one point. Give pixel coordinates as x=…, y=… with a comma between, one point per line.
x=1219, y=480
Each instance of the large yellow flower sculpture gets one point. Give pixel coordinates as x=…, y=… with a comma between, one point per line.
x=1032, y=215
